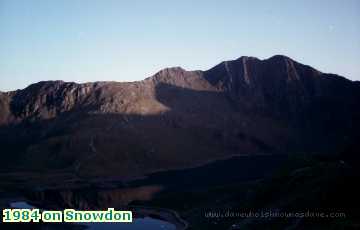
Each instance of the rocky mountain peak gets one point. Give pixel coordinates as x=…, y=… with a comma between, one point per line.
x=277, y=84
x=169, y=73
x=242, y=106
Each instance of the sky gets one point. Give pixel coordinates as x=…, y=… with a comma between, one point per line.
x=108, y=40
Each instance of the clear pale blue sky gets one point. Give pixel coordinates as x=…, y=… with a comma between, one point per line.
x=129, y=40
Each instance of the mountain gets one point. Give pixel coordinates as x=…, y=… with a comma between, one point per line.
x=178, y=118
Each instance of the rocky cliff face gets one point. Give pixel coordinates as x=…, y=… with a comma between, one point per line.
x=178, y=118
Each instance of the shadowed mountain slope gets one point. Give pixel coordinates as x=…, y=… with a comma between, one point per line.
x=178, y=118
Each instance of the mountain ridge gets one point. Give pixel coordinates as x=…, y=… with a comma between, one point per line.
x=177, y=117
x=168, y=75
x=277, y=56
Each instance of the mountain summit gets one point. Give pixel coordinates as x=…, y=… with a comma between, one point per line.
x=179, y=118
